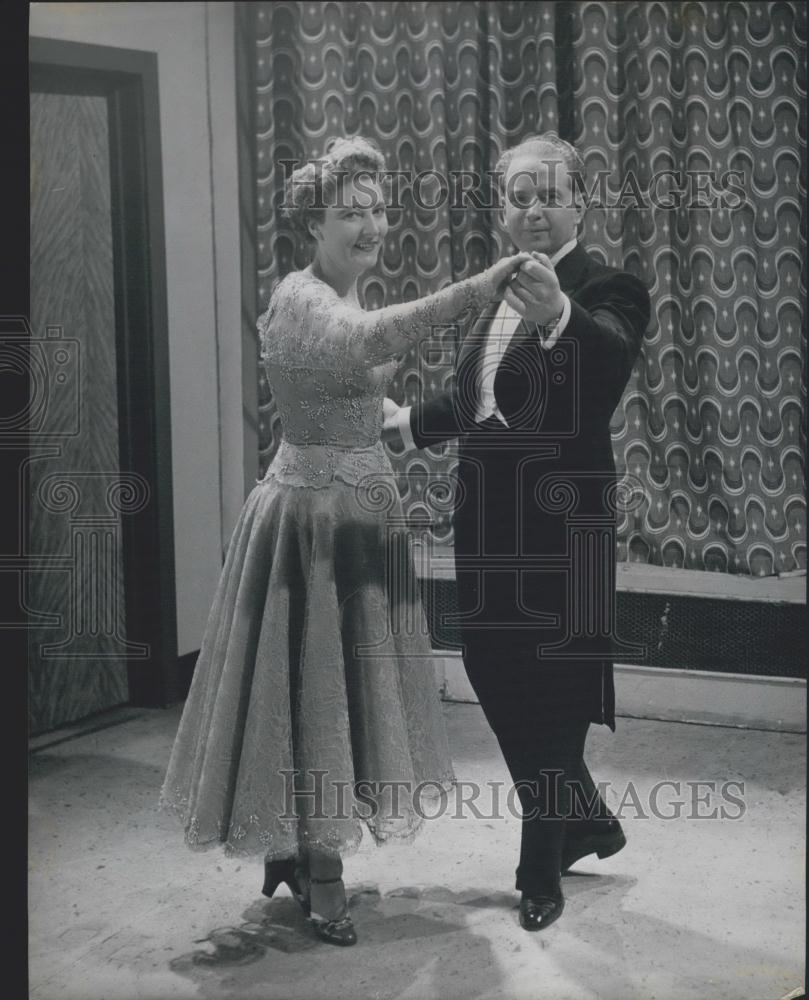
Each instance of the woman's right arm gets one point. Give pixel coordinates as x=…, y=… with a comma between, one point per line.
x=310, y=325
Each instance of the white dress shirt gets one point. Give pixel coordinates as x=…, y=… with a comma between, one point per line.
x=499, y=335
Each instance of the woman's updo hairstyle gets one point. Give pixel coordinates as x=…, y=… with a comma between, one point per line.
x=310, y=188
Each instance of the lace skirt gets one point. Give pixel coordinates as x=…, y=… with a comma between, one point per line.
x=314, y=706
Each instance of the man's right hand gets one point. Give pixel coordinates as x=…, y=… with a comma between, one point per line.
x=390, y=425
x=534, y=292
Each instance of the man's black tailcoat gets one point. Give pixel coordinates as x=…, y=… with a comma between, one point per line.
x=535, y=501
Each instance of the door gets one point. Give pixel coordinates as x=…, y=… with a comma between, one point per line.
x=77, y=659
x=99, y=587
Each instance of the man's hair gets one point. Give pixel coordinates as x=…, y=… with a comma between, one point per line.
x=314, y=185
x=542, y=141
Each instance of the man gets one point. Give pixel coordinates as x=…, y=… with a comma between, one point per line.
x=537, y=379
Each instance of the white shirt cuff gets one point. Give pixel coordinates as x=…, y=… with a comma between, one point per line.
x=403, y=422
x=560, y=326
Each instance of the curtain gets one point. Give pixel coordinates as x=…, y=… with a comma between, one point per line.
x=712, y=423
x=711, y=426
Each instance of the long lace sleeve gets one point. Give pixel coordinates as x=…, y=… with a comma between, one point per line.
x=307, y=324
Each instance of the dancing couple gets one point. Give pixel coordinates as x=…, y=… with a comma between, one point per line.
x=304, y=680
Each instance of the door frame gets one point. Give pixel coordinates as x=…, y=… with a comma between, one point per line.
x=129, y=80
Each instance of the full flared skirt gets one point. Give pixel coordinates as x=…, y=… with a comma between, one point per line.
x=314, y=709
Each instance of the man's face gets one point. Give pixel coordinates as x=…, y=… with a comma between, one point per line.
x=539, y=210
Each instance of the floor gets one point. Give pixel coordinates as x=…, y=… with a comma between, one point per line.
x=704, y=908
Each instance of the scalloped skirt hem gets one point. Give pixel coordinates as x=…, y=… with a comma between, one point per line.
x=345, y=849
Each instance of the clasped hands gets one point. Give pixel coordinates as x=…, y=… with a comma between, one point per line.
x=533, y=291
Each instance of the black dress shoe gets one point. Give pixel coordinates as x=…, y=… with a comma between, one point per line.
x=603, y=837
x=540, y=910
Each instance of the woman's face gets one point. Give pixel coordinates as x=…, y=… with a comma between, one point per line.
x=350, y=234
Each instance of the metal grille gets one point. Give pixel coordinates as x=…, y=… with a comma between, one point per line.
x=689, y=633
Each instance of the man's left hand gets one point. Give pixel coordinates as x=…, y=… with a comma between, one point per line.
x=390, y=424
x=535, y=293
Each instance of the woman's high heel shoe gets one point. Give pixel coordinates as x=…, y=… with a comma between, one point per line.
x=338, y=931
x=276, y=872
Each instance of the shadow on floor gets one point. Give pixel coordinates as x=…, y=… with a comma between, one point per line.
x=401, y=935
x=409, y=933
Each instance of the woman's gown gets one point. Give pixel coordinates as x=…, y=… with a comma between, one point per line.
x=315, y=671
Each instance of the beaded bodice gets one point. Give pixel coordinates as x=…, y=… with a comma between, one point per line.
x=329, y=364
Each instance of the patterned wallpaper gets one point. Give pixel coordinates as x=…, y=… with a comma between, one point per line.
x=712, y=423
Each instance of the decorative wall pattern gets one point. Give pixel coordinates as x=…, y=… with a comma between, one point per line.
x=712, y=422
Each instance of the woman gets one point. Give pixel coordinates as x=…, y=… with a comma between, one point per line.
x=309, y=707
